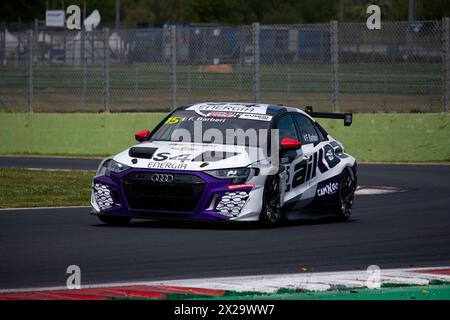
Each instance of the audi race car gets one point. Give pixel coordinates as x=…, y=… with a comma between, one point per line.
x=229, y=162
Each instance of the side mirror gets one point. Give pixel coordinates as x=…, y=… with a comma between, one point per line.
x=287, y=144
x=142, y=135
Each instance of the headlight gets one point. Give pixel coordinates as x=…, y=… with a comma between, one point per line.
x=111, y=166
x=239, y=175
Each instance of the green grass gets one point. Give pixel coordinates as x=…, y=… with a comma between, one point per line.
x=430, y=292
x=373, y=137
x=71, y=134
x=39, y=188
x=395, y=137
x=306, y=77
x=145, y=86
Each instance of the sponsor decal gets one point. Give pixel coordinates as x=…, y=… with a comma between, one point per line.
x=329, y=189
x=213, y=156
x=246, y=116
x=229, y=107
x=240, y=186
x=182, y=148
x=163, y=156
x=167, y=165
x=259, y=117
x=319, y=162
x=221, y=115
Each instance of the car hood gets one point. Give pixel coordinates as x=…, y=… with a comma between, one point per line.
x=189, y=156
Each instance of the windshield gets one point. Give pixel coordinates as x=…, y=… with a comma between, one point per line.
x=215, y=127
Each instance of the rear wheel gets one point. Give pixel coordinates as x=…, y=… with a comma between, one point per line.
x=346, y=193
x=271, y=209
x=114, y=221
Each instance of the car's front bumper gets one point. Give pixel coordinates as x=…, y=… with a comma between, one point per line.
x=218, y=200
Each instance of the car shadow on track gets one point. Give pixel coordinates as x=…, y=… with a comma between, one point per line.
x=188, y=224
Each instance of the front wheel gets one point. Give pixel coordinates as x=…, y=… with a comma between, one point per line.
x=271, y=209
x=346, y=193
x=114, y=221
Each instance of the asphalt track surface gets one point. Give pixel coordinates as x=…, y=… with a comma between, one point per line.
x=49, y=163
x=410, y=229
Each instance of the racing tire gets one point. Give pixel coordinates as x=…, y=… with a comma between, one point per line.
x=346, y=193
x=114, y=221
x=271, y=211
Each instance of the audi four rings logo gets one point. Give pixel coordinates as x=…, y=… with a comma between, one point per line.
x=167, y=178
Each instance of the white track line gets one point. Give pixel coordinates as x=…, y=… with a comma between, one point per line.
x=44, y=208
x=48, y=157
x=308, y=281
x=405, y=163
x=320, y=281
x=52, y=170
x=377, y=190
x=361, y=191
x=445, y=163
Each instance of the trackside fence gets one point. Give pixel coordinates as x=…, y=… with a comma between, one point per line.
x=404, y=67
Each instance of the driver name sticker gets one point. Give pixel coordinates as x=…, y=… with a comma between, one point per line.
x=177, y=120
x=219, y=120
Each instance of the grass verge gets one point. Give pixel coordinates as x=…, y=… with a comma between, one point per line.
x=41, y=188
x=372, y=138
x=430, y=292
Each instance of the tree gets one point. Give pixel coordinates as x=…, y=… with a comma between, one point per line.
x=229, y=11
x=435, y=9
x=153, y=11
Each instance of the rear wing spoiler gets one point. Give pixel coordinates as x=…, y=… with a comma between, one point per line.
x=348, y=117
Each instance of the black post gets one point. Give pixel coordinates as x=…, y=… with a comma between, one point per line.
x=412, y=11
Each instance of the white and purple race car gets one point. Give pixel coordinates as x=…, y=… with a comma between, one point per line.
x=229, y=162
